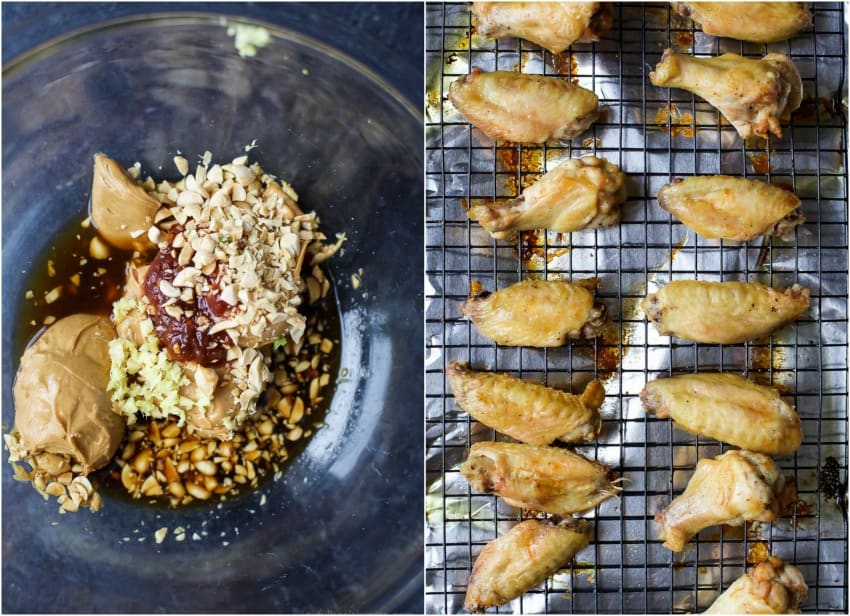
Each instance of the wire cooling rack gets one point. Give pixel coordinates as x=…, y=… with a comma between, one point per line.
x=654, y=135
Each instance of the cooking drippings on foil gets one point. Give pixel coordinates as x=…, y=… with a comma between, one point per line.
x=765, y=362
x=681, y=123
x=565, y=64
x=761, y=163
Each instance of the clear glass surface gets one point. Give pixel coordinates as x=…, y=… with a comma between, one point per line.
x=341, y=531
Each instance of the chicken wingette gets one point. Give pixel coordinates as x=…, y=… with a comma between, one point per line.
x=548, y=479
x=529, y=412
x=732, y=488
x=723, y=312
x=524, y=108
x=579, y=193
x=538, y=313
x=756, y=22
x=754, y=95
x=731, y=208
x=771, y=587
x=729, y=408
x=515, y=563
x=552, y=25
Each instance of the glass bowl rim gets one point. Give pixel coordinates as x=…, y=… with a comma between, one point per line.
x=45, y=49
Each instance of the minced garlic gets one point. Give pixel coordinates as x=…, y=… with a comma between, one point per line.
x=142, y=379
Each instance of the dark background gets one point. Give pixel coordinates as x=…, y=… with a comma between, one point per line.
x=386, y=37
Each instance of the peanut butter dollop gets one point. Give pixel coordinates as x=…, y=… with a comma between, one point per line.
x=62, y=406
x=121, y=209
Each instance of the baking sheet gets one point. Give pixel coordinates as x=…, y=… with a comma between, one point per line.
x=654, y=135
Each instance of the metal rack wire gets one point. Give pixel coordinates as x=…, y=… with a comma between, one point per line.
x=654, y=135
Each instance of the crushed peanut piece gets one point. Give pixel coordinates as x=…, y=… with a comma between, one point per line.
x=164, y=453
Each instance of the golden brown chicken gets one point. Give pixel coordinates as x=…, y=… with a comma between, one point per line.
x=548, y=479
x=732, y=208
x=526, y=411
x=732, y=488
x=552, y=25
x=756, y=22
x=579, y=193
x=754, y=95
x=771, y=587
x=723, y=312
x=515, y=563
x=524, y=108
x=539, y=313
x=729, y=408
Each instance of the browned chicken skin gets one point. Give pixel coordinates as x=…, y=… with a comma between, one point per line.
x=723, y=312
x=757, y=22
x=754, y=95
x=552, y=25
x=539, y=313
x=771, y=587
x=510, y=106
x=526, y=411
x=732, y=208
x=548, y=479
x=732, y=488
x=729, y=408
x=516, y=562
x=580, y=193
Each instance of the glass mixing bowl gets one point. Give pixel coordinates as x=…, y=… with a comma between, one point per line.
x=341, y=531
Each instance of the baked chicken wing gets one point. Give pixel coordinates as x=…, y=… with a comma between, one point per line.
x=723, y=312
x=729, y=408
x=552, y=25
x=771, y=587
x=524, y=108
x=754, y=95
x=756, y=22
x=548, y=479
x=526, y=411
x=732, y=208
x=579, y=193
x=515, y=563
x=538, y=313
x=732, y=488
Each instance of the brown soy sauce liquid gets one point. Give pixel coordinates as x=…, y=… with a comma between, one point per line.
x=90, y=285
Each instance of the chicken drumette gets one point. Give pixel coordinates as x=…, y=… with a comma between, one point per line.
x=732, y=208
x=579, y=193
x=732, y=488
x=772, y=587
x=754, y=95
x=524, y=108
x=757, y=22
x=552, y=25
x=517, y=562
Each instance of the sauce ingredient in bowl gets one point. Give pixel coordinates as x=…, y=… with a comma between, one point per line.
x=224, y=285
x=122, y=210
x=64, y=423
x=161, y=459
x=235, y=259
